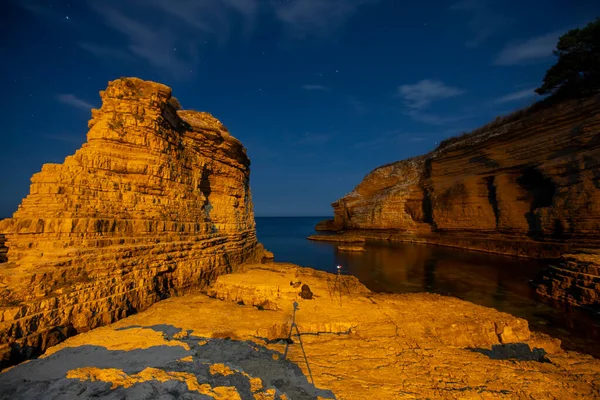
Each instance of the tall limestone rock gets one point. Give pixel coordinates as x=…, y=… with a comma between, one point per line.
x=156, y=202
x=526, y=185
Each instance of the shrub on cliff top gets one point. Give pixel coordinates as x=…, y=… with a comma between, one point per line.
x=575, y=74
x=175, y=103
x=577, y=71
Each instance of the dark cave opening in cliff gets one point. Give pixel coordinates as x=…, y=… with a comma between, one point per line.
x=205, y=183
x=492, y=199
x=427, y=208
x=540, y=193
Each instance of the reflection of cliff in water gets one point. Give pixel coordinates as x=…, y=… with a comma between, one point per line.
x=485, y=279
x=418, y=268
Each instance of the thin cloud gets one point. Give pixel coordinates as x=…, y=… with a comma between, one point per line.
x=483, y=21
x=530, y=50
x=385, y=139
x=423, y=93
x=41, y=10
x=74, y=101
x=390, y=138
x=516, y=96
x=214, y=17
x=173, y=45
x=315, y=88
x=156, y=46
x=103, y=51
x=316, y=17
x=310, y=139
x=67, y=138
x=44, y=11
x=435, y=119
x=357, y=105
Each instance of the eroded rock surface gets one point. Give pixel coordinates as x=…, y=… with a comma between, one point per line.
x=360, y=346
x=326, y=225
x=528, y=186
x=156, y=202
x=575, y=280
x=351, y=248
x=3, y=249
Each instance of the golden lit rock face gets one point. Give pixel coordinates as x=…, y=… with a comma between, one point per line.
x=574, y=280
x=363, y=345
x=527, y=186
x=536, y=176
x=390, y=197
x=156, y=201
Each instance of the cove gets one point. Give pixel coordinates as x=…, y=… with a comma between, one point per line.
x=486, y=279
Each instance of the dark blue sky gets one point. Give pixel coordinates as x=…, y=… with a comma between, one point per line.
x=319, y=91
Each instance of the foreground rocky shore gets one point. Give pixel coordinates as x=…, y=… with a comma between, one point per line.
x=229, y=342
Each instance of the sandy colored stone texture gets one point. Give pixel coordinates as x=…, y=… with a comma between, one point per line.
x=574, y=280
x=155, y=203
x=3, y=249
x=535, y=175
x=326, y=225
x=527, y=186
x=337, y=238
x=351, y=248
x=364, y=346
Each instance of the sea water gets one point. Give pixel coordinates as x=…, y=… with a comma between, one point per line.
x=489, y=280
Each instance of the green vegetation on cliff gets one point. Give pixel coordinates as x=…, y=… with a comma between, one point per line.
x=577, y=71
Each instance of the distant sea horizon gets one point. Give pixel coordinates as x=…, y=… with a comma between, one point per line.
x=293, y=216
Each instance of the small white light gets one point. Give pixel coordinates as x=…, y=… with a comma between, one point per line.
x=339, y=267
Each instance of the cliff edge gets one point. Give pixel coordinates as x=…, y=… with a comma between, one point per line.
x=156, y=202
x=526, y=185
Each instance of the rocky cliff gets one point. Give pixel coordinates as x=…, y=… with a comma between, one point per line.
x=3, y=249
x=527, y=185
x=156, y=202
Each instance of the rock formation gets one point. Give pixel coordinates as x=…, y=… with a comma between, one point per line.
x=526, y=185
x=327, y=225
x=3, y=249
x=574, y=280
x=156, y=202
x=351, y=248
x=361, y=345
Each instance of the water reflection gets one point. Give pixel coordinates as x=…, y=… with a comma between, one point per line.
x=485, y=279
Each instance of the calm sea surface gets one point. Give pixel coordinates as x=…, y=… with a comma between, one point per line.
x=489, y=280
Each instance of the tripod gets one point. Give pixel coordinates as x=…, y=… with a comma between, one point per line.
x=337, y=284
x=299, y=339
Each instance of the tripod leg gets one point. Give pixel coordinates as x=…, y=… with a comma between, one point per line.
x=336, y=285
x=305, y=358
x=289, y=337
x=338, y=280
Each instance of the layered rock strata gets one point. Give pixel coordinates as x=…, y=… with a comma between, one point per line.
x=3, y=249
x=156, y=202
x=575, y=280
x=526, y=185
x=359, y=345
x=327, y=225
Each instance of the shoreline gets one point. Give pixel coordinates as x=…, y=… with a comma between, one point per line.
x=231, y=339
x=479, y=243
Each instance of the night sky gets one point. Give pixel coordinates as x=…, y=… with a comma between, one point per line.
x=319, y=91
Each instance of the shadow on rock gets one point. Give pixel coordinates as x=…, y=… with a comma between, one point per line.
x=513, y=351
x=212, y=368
